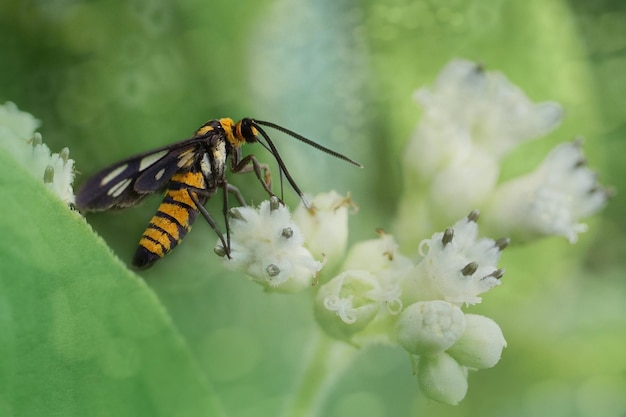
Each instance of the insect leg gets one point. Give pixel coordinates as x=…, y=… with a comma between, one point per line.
x=232, y=189
x=262, y=171
x=225, y=214
x=207, y=216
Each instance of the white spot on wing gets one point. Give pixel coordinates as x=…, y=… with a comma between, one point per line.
x=146, y=161
x=119, y=188
x=184, y=159
x=159, y=174
x=117, y=171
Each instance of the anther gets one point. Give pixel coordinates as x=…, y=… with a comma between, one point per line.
x=469, y=269
x=287, y=232
x=473, y=216
x=502, y=243
x=272, y=270
x=48, y=175
x=274, y=203
x=236, y=214
x=498, y=273
x=37, y=139
x=219, y=251
x=580, y=163
x=64, y=154
x=447, y=236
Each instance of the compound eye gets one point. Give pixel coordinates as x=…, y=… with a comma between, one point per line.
x=248, y=131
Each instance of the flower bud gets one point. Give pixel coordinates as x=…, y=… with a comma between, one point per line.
x=378, y=256
x=481, y=345
x=441, y=378
x=325, y=225
x=429, y=327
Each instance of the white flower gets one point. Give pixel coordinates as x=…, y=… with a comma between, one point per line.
x=549, y=201
x=361, y=304
x=18, y=137
x=343, y=306
x=429, y=327
x=486, y=109
x=456, y=266
x=471, y=118
x=325, y=225
x=268, y=246
x=15, y=124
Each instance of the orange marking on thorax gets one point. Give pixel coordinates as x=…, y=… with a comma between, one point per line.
x=235, y=139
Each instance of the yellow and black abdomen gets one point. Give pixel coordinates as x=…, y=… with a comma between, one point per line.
x=172, y=220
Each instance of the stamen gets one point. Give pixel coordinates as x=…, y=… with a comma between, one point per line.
x=272, y=270
x=502, y=243
x=447, y=236
x=498, y=273
x=64, y=154
x=287, y=232
x=580, y=163
x=469, y=269
x=274, y=203
x=473, y=216
x=48, y=175
x=37, y=139
x=219, y=251
x=236, y=214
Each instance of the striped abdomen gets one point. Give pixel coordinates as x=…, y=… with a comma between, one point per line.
x=172, y=220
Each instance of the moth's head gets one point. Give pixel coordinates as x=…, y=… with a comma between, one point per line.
x=245, y=130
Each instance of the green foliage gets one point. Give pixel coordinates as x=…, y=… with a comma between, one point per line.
x=81, y=335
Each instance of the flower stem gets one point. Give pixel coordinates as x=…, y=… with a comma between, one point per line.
x=327, y=360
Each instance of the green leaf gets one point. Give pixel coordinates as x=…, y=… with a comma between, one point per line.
x=80, y=335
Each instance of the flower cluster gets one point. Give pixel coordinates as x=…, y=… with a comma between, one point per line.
x=375, y=293
x=471, y=120
x=382, y=296
x=18, y=137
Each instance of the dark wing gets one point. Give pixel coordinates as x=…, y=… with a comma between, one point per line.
x=127, y=182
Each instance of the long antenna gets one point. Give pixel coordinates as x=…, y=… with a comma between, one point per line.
x=281, y=164
x=305, y=140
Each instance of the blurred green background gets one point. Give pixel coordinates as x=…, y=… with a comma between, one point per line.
x=114, y=78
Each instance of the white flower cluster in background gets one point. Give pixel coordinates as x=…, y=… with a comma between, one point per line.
x=19, y=138
x=551, y=199
x=471, y=119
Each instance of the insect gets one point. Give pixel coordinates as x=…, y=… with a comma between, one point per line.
x=191, y=172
